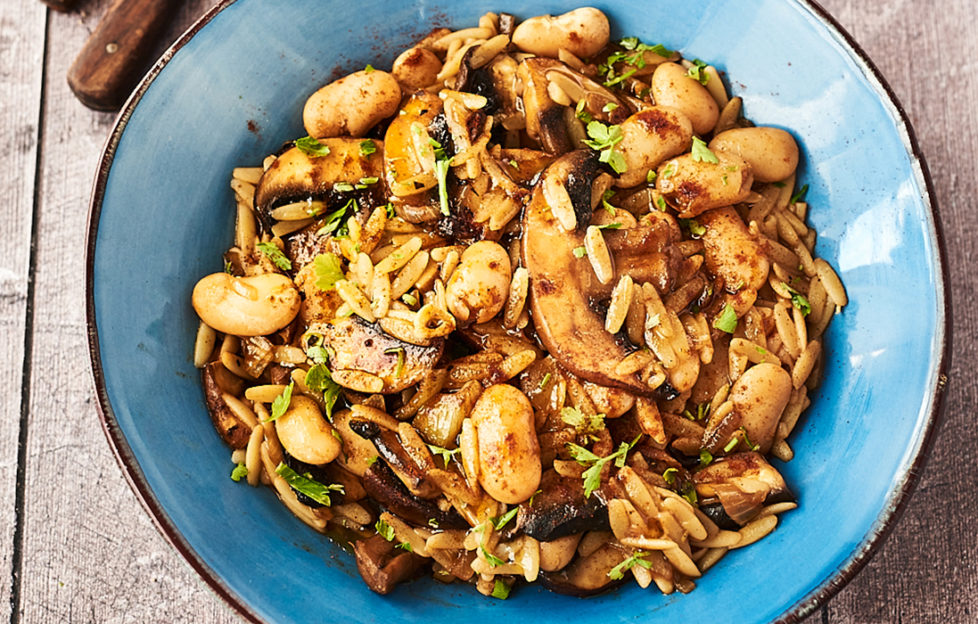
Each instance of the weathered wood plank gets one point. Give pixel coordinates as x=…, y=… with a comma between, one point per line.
x=21, y=47
x=90, y=552
x=928, y=569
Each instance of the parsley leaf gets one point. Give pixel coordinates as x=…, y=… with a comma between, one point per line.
x=609, y=107
x=799, y=196
x=384, y=530
x=334, y=220
x=660, y=201
x=491, y=558
x=580, y=421
x=399, y=368
x=610, y=226
x=650, y=177
x=444, y=453
x=367, y=147
x=544, y=381
x=619, y=570
x=500, y=590
x=799, y=300
x=315, y=490
x=697, y=73
x=689, y=493
x=502, y=520
x=727, y=320
x=281, y=403
x=240, y=472
x=604, y=202
x=275, y=255
x=319, y=379
x=706, y=458
x=693, y=227
x=311, y=147
x=604, y=139
x=368, y=69
x=405, y=546
x=592, y=476
x=670, y=475
x=441, y=172
x=580, y=252
x=326, y=266
x=702, y=153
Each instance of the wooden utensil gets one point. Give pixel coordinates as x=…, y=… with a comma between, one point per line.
x=118, y=52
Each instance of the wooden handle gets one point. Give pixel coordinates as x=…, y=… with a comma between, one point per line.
x=60, y=5
x=118, y=52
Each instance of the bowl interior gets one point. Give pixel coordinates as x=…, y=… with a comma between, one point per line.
x=234, y=93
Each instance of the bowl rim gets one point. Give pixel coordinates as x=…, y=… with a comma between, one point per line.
x=895, y=504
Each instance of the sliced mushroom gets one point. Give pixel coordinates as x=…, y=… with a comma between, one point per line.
x=234, y=432
x=398, y=459
x=586, y=576
x=409, y=158
x=561, y=509
x=740, y=485
x=296, y=176
x=544, y=117
x=563, y=288
x=358, y=345
x=383, y=486
x=382, y=565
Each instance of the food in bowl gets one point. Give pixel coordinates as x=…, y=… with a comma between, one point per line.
x=534, y=304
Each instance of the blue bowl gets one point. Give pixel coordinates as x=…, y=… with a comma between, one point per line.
x=231, y=91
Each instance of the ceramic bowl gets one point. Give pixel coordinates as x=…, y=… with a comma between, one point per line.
x=231, y=91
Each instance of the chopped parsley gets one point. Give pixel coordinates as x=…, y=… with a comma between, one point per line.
x=607, y=195
x=582, y=113
x=689, y=492
x=500, y=589
x=799, y=300
x=311, y=147
x=660, y=201
x=706, y=458
x=727, y=321
x=747, y=441
x=365, y=182
x=799, y=196
x=399, y=368
x=334, y=220
x=610, y=226
x=592, y=476
x=304, y=484
x=580, y=252
x=444, y=453
x=441, y=172
x=367, y=147
x=580, y=421
x=702, y=153
x=326, y=266
x=698, y=72
x=669, y=170
x=604, y=139
x=281, y=403
x=273, y=253
x=613, y=80
x=405, y=546
x=368, y=69
x=240, y=472
x=619, y=570
x=319, y=379
x=373, y=460
x=342, y=187
x=390, y=210
x=670, y=475
x=384, y=530
x=609, y=107
x=693, y=227
x=650, y=176
x=504, y=519
x=544, y=381
x=409, y=299
x=491, y=558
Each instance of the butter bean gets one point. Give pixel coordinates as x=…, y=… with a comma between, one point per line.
x=771, y=152
x=672, y=87
x=649, y=137
x=694, y=187
x=305, y=434
x=759, y=396
x=509, y=452
x=730, y=251
x=582, y=32
x=478, y=287
x=416, y=68
x=351, y=105
x=246, y=306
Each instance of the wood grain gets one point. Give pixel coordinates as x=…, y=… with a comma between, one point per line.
x=21, y=47
x=90, y=553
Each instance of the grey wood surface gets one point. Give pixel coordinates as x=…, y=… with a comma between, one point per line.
x=77, y=547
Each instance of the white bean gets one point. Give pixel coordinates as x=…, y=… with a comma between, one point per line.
x=771, y=152
x=479, y=285
x=582, y=32
x=246, y=306
x=305, y=434
x=351, y=105
x=509, y=452
x=672, y=87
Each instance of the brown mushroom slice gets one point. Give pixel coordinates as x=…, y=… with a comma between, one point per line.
x=742, y=483
x=383, y=486
x=409, y=158
x=382, y=565
x=544, y=117
x=563, y=287
x=587, y=576
x=560, y=509
x=397, y=458
x=234, y=432
x=358, y=345
x=599, y=101
x=296, y=176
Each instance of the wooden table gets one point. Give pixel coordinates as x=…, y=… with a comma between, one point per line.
x=75, y=545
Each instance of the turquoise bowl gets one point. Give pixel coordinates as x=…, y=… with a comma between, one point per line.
x=231, y=91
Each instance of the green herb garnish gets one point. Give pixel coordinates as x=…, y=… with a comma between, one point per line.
x=367, y=147
x=702, y=153
x=400, y=359
x=580, y=252
x=281, y=403
x=319, y=379
x=311, y=147
x=502, y=520
x=670, y=475
x=315, y=490
x=727, y=321
x=799, y=196
x=491, y=558
x=580, y=421
x=273, y=253
x=799, y=300
x=619, y=570
x=444, y=453
x=697, y=72
x=500, y=589
x=604, y=139
x=326, y=266
x=706, y=458
x=384, y=530
x=592, y=476
x=240, y=472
